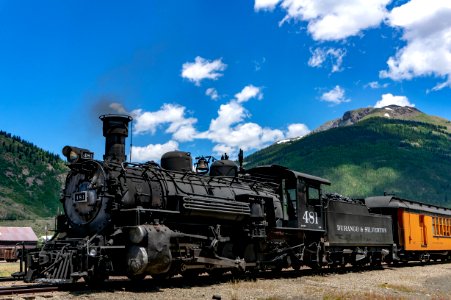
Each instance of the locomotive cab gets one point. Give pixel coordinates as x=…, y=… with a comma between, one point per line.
x=300, y=194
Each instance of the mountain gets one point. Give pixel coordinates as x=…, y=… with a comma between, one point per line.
x=391, y=112
x=30, y=179
x=370, y=151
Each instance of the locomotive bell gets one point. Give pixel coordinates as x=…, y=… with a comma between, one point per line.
x=202, y=165
x=115, y=130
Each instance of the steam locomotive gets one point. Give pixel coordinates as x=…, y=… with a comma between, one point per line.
x=139, y=219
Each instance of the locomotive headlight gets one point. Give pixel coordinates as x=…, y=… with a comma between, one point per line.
x=73, y=156
x=77, y=155
x=92, y=252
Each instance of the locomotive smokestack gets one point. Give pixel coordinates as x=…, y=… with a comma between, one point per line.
x=115, y=130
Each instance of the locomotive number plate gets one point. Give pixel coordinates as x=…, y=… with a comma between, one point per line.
x=80, y=197
x=87, y=155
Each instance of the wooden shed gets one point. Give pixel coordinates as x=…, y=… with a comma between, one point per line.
x=10, y=237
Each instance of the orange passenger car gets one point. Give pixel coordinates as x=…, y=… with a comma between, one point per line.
x=420, y=231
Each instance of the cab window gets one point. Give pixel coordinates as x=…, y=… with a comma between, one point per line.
x=313, y=196
x=292, y=204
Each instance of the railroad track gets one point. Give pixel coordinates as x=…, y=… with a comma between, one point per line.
x=27, y=289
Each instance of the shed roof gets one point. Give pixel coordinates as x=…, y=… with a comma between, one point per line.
x=19, y=234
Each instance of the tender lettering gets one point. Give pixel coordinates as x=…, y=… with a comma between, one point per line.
x=366, y=229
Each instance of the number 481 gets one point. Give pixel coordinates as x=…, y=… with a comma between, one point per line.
x=310, y=217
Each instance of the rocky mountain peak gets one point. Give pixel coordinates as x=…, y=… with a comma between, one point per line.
x=354, y=116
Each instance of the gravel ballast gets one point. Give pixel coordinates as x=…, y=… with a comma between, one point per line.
x=412, y=282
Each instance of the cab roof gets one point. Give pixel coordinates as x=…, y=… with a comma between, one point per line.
x=277, y=171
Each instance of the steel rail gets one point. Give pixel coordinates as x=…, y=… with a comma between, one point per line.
x=27, y=289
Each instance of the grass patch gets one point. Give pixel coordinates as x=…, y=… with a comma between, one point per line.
x=6, y=268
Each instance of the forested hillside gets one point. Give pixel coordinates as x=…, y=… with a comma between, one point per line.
x=411, y=159
x=30, y=179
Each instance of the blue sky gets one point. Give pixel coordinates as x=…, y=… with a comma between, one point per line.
x=213, y=76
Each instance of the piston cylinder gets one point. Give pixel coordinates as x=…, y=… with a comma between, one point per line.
x=150, y=251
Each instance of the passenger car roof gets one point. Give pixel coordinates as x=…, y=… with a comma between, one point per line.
x=395, y=202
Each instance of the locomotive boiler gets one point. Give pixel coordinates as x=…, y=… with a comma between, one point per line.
x=139, y=219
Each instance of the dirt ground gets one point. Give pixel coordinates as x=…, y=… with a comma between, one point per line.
x=412, y=282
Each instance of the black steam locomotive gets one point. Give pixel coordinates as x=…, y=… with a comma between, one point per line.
x=138, y=219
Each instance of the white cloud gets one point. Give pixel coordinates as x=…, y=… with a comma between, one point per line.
x=152, y=152
x=265, y=4
x=244, y=135
x=376, y=85
x=335, y=20
x=319, y=56
x=212, y=93
x=425, y=25
x=202, y=69
x=229, y=131
x=389, y=99
x=426, y=28
x=249, y=92
x=183, y=130
x=228, y=114
x=335, y=96
x=252, y=136
x=297, y=130
x=181, y=127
